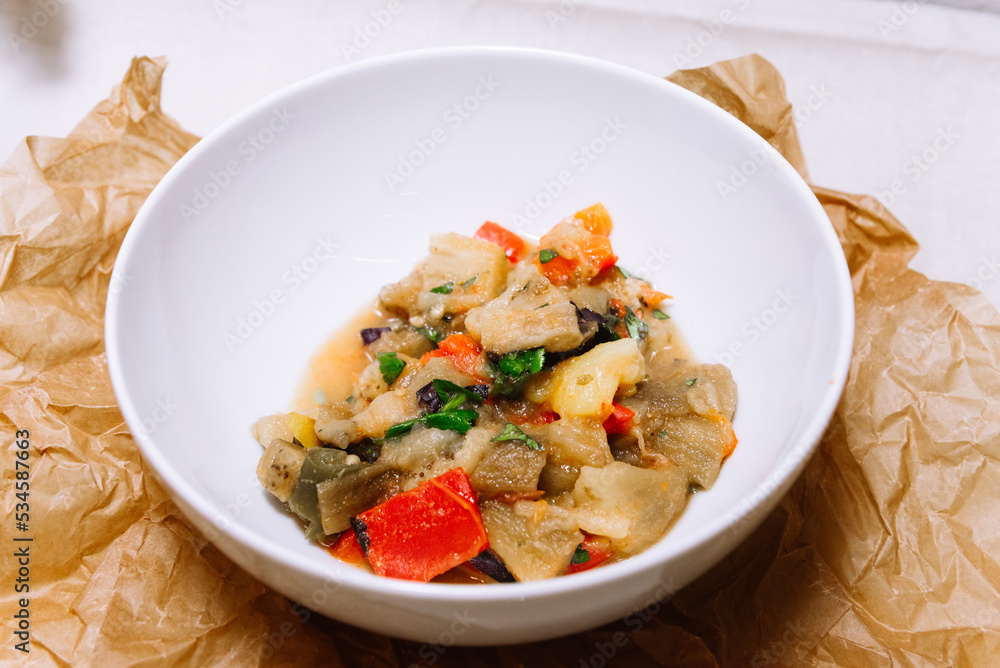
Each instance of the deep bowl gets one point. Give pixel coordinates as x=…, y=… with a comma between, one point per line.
x=273, y=231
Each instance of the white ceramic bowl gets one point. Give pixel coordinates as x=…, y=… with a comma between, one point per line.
x=273, y=231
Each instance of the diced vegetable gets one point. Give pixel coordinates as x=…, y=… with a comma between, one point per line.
x=581, y=253
x=651, y=297
x=279, y=467
x=530, y=313
x=347, y=548
x=595, y=219
x=631, y=505
x=489, y=564
x=534, y=539
x=452, y=259
x=586, y=385
x=422, y=533
x=512, y=244
x=592, y=552
x=320, y=464
x=620, y=421
x=510, y=467
x=372, y=334
x=571, y=443
x=463, y=351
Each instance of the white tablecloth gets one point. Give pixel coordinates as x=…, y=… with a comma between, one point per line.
x=897, y=98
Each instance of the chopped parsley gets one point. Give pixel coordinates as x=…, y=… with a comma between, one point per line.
x=390, y=366
x=511, y=371
x=637, y=329
x=689, y=383
x=623, y=271
x=431, y=334
x=446, y=413
x=460, y=421
x=444, y=288
x=580, y=556
x=547, y=255
x=660, y=315
x=511, y=432
x=469, y=283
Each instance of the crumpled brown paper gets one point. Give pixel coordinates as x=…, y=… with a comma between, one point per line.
x=885, y=552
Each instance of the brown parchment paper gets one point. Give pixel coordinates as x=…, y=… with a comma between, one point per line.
x=885, y=552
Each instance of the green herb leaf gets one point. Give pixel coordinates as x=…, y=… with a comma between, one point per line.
x=521, y=361
x=542, y=306
x=547, y=255
x=511, y=432
x=460, y=421
x=512, y=371
x=580, y=556
x=390, y=366
x=623, y=271
x=637, y=329
x=660, y=315
x=449, y=391
x=444, y=288
x=469, y=283
x=431, y=334
x=401, y=428
x=690, y=382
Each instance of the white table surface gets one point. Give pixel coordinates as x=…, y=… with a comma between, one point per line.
x=875, y=83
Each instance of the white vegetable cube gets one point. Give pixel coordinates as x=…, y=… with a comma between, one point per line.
x=633, y=506
x=585, y=386
x=465, y=272
x=530, y=313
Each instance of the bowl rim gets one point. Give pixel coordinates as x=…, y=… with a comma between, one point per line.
x=789, y=466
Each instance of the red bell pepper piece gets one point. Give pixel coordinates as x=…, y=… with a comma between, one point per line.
x=512, y=244
x=348, y=549
x=598, y=550
x=461, y=349
x=421, y=533
x=620, y=421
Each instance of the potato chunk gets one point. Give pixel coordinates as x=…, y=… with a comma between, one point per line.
x=530, y=313
x=585, y=386
x=631, y=505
